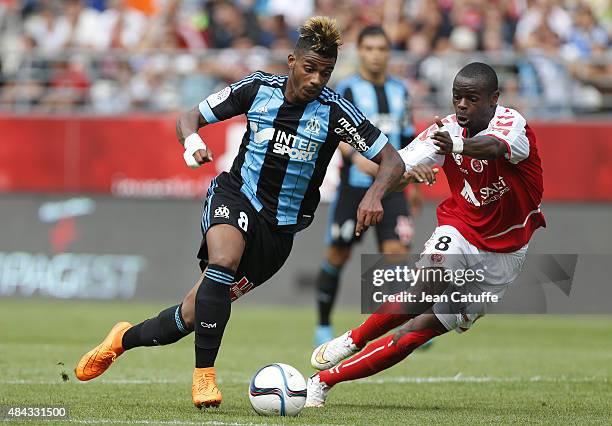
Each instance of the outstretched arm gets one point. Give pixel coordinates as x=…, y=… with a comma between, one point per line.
x=390, y=171
x=349, y=154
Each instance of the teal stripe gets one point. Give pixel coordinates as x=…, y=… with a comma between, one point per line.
x=223, y=274
x=179, y=323
x=207, y=113
x=376, y=147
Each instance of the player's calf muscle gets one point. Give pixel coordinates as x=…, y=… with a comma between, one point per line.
x=337, y=256
x=188, y=305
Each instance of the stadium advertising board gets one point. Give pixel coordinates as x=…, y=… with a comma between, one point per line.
x=138, y=156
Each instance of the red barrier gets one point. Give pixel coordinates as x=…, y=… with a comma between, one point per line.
x=139, y=156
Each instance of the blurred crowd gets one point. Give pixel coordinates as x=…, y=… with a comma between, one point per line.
x=112, y=56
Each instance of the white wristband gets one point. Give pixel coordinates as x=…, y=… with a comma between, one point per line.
x=457, y=144
x=193, y=142
x=457, y=141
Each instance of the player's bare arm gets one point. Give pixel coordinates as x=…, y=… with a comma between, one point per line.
x=479, y=147
x=363, y=164
x=421, y=173
x=391, y=168
x=187, y=126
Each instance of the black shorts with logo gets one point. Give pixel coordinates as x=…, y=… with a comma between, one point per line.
x=266, y=249
x=395, y=225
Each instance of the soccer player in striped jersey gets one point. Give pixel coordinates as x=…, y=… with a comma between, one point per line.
x=385, y=101
x=294, y=125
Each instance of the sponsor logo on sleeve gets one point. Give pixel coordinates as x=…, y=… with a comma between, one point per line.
x=216, y=98
x=348, y=133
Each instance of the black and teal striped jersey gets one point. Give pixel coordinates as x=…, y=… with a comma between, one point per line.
x=286, y=148
x=387, y=107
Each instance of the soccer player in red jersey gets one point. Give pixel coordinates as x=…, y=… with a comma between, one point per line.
x=490, y=158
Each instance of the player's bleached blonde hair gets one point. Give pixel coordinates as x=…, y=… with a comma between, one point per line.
x=321, y=35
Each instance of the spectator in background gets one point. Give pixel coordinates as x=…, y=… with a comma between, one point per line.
x=430, y=22
x=251, y=32
x=294, y=12
x=69, y=85
x=276, y=33
x=554, y=81
x=584, y=52
x=585, y=37
x=539, y=13
x=228, y=24
x=10, y=40
x=395, y=24
x=83, y=21
x=497, y=32
x=602, y=9
x=27, y=88
x=49, y=28
x=110, y=92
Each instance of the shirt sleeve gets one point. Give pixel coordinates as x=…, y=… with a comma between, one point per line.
x=347, y=94
x=345, y=91
x=422, y=150
x=351, y=126
x=231, y=101
x=511, y=130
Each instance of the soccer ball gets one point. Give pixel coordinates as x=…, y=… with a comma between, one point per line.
x=277, y=389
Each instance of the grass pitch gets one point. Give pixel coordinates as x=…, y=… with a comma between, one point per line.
x=507, y=369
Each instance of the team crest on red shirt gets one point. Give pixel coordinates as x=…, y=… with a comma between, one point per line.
x=478, y=165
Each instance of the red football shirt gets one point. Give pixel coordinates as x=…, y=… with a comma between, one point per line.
x=495, y=204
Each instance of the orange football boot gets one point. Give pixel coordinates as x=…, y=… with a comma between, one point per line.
x=96, y=361
x=204, y=390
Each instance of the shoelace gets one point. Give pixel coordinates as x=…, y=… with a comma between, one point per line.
x=203, y=381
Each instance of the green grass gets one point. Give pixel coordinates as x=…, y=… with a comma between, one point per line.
x=508, y=369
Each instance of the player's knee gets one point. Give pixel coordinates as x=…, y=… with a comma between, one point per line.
x=337, y=256
x=225, y=246
x=188, y=310
x=226, y=259
x=426, y=321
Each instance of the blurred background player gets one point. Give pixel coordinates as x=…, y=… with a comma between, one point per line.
x=490, y=158
x=385, y=101
x=295, y=124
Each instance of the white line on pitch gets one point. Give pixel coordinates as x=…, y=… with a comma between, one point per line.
x=480, y=379
x=386, y=380
x=157, y=422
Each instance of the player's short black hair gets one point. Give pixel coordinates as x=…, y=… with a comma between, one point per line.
x=319, y=34
x=372, y=30
x=483, y=73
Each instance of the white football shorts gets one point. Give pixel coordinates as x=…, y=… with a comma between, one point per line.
x=492, y=273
